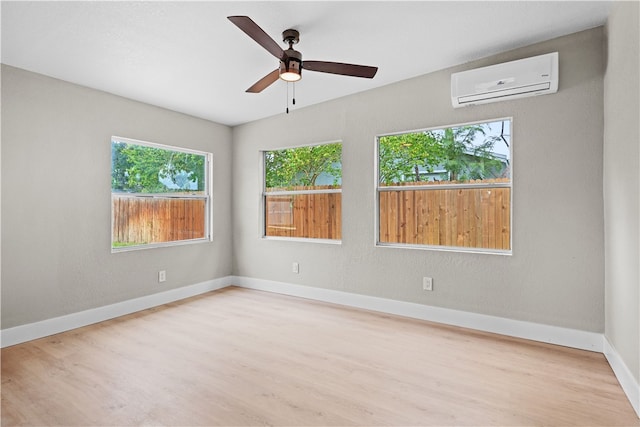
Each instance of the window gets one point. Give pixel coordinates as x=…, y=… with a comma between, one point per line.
x=160, y=195
x=446, y=188
x=303, y=192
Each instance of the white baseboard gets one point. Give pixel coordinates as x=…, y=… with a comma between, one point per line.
x=44, y=328
x=516, y=328
x=623, y=374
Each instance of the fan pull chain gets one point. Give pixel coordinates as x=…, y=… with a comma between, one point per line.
x=293, y=100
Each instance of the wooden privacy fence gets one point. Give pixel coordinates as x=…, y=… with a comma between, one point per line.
x=142, y=220
x=311, y=215
x=462, y=217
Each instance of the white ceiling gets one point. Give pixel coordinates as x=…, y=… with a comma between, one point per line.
x=187, y=57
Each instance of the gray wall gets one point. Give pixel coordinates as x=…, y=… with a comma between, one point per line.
x=56, y=199
x=622, y=183
x=556, y=273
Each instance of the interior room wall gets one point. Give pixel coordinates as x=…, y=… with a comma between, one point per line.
x=556, y=273
x=622, y=183
x=56, y=236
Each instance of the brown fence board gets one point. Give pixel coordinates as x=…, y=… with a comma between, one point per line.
x=156, y=220
x=460, y=217
x=315, y=215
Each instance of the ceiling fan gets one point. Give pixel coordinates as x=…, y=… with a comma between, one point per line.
x=291, y=63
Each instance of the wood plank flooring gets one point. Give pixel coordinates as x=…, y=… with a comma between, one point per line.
x=241, y=357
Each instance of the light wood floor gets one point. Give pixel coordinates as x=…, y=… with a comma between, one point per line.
x=242, y=357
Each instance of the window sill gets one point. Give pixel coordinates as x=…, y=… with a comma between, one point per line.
x=303, y=240
x=159, y=245
x=458, y=249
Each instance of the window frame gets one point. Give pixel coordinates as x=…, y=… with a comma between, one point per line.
x=207, y=197
x=264, y=193
x=460, y=249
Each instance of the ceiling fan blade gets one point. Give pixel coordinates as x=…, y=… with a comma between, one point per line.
x=340, y=68
x=264, y=82
x=256, y=33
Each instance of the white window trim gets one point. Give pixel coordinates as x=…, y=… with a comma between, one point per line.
x=460, y=249
x=208, y=197
x=264, y=193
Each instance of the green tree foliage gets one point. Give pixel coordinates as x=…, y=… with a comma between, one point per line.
x=119, y=166
x=141, y=169
x=302, y=166
x=464, y=152
x=403, y=156
x=468, y=154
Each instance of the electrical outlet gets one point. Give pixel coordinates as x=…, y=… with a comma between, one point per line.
x=427, y=283
x=162, y=276
x=295, y=267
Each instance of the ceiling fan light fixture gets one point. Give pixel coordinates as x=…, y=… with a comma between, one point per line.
x=290, y=69
x=290, y=76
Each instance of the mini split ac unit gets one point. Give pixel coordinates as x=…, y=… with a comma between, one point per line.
x=537, y=75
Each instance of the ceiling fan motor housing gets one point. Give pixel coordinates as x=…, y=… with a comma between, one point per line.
x=290, y=36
